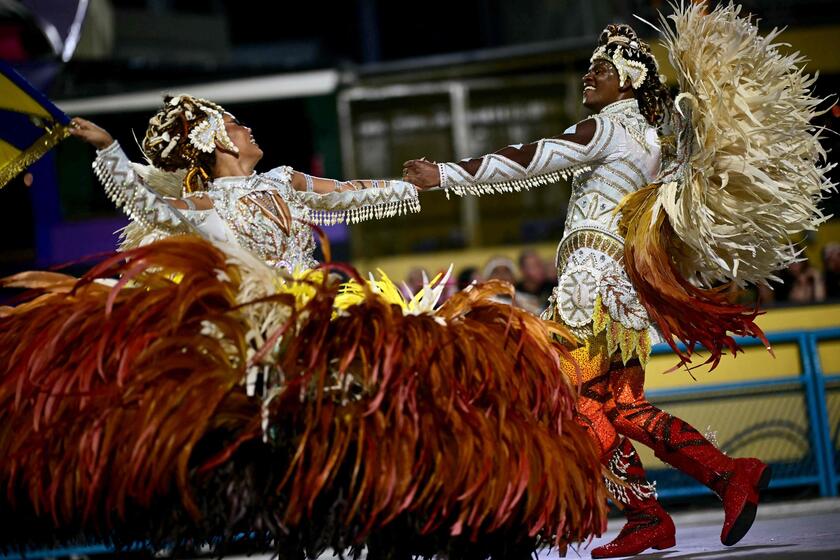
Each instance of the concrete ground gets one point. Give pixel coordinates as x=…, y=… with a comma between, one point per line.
x=807, y=529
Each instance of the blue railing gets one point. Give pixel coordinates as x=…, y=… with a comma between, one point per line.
x=820, y=466
x=826, y=380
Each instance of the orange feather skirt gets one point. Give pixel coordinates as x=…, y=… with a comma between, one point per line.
x=125, y=417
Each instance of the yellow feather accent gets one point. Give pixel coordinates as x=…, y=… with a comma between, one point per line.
x=630, y=342
x=302, y=285
x=352, y=293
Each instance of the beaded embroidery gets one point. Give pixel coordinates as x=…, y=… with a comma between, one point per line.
x=264, y=217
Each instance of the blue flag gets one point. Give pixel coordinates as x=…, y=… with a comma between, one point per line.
x=30, y=125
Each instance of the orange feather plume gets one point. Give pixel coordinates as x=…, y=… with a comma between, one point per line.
x=466, y=423
x=683, y=312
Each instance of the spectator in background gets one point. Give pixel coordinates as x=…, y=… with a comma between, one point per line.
x=467, y=276
x=502, y=268
x=831, y=269
x=768, y=296
x=805, y=283
x=534, y=280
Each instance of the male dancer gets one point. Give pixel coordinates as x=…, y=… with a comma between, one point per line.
x=610, y=155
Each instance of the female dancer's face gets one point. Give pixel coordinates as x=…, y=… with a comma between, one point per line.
x=243, y=139
x=600, y=86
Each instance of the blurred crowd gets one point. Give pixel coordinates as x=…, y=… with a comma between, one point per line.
x=804, y=283
x=534, y=278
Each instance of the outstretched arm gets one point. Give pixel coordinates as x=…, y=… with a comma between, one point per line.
x=309, y=183
x=353, y=201
x=124, y=186
x=517, y=167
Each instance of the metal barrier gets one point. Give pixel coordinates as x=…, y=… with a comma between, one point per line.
x=828, y=399
x=818, y=465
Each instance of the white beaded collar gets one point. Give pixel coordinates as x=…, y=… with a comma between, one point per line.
x=622, y=106
x=230, y=181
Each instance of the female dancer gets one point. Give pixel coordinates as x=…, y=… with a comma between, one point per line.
x=204, y=159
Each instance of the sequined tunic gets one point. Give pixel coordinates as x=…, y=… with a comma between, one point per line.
x=590, y=254
x=281, y=236
x=262, y=212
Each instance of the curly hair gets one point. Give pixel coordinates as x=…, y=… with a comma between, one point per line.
x=167, y=142
x=655, y=101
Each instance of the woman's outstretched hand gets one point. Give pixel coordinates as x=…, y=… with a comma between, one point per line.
x=90, y=133
x=423, y=174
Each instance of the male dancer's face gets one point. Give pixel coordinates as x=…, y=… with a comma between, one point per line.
x=601, y=86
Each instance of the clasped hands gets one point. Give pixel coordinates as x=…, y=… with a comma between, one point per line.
x=421, y=173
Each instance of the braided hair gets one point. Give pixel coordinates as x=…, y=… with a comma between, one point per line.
x=655, y=101
x=167, y=142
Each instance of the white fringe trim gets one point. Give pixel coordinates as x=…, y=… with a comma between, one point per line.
x=618, y=465
x=514, y=185
x=356, y=215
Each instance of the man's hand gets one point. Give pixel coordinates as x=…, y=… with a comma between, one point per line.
x=423, y=174
x=90, y=133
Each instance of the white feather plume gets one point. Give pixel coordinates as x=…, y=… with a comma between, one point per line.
x=752, y=170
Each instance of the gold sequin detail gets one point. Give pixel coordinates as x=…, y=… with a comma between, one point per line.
x=591, y=239
x=631, y=342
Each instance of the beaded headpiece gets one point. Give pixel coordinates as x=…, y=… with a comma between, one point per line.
x=211, y=130
x=631, y=57
x=182, y=135
x=635, y=63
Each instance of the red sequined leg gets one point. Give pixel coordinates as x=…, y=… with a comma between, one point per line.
x=590, y=376
x=589, y=413
x=736, y=481
x=648, y=525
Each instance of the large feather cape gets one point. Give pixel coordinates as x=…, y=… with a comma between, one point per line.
x=747, y=178
x=125, y=414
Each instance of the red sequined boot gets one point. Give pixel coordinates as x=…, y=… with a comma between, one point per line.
x=648, y=525
x=736, y=481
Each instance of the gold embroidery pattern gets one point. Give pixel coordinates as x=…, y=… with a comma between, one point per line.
x=591, y=239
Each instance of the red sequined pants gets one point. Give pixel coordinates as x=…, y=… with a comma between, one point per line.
x=612, y=402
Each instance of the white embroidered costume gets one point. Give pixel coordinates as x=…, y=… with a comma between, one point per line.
x=262, y=213
x=622, y=157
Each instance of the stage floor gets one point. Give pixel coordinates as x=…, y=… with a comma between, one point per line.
x=807, y=529
x=803, y=529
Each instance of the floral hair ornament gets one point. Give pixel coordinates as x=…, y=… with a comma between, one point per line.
x=210, y=130
x=634, y=71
